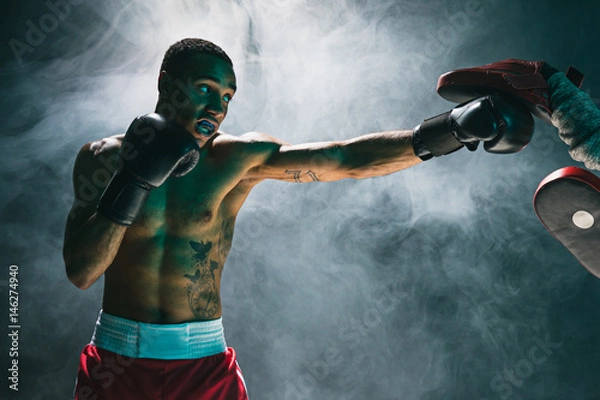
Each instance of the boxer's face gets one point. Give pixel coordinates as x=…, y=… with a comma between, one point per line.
x=201, y=97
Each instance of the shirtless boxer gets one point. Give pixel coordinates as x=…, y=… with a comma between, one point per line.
x=161, y=230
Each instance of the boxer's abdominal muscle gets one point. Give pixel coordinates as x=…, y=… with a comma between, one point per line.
x=168, y=268
x=167, y=279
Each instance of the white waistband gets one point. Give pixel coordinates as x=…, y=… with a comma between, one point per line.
x=159, y=341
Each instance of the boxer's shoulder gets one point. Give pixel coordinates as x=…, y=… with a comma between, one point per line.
x=250, y=144
x=260, y=138
x=98, y=153
x=104, y=145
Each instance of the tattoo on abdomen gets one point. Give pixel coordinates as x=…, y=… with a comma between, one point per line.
x=226, y=237
x=202, y=292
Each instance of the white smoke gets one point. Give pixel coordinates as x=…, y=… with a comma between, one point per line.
x=418, y=285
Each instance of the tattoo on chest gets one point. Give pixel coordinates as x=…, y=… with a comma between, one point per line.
x=202, y=290
x=299, y=174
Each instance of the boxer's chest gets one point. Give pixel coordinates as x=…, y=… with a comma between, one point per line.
x=196, y=201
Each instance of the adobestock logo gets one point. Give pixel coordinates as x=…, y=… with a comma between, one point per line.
x=504, y=383
x=36, y=34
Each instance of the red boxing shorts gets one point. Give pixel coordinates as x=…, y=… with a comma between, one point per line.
x=108, y=374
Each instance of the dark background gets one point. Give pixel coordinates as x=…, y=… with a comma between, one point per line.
x=437, y=282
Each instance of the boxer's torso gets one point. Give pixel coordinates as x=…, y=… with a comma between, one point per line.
x=168, y=267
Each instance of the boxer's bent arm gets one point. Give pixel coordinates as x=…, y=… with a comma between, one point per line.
x=91, y=241
x=366, y=156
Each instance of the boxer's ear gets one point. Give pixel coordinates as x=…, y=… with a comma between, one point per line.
x=165, y=84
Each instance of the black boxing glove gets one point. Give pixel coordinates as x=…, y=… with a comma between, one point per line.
x=152, y=150
x=503, y=125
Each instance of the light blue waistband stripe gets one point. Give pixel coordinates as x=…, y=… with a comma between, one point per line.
x=159, y=341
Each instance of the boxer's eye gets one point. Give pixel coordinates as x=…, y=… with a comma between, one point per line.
x=203, y=88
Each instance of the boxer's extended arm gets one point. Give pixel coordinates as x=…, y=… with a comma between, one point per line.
x=91, y=240
x=365, y=156
x=504, y=126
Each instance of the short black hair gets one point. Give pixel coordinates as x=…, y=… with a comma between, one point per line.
x=179, y=54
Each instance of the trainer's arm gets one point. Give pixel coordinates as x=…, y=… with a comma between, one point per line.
x=91, y=240
x=365, y=156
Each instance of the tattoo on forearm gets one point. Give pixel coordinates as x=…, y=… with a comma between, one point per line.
x=296, y=174
x=312, y=175
x=202, y=290
x=299, y=173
